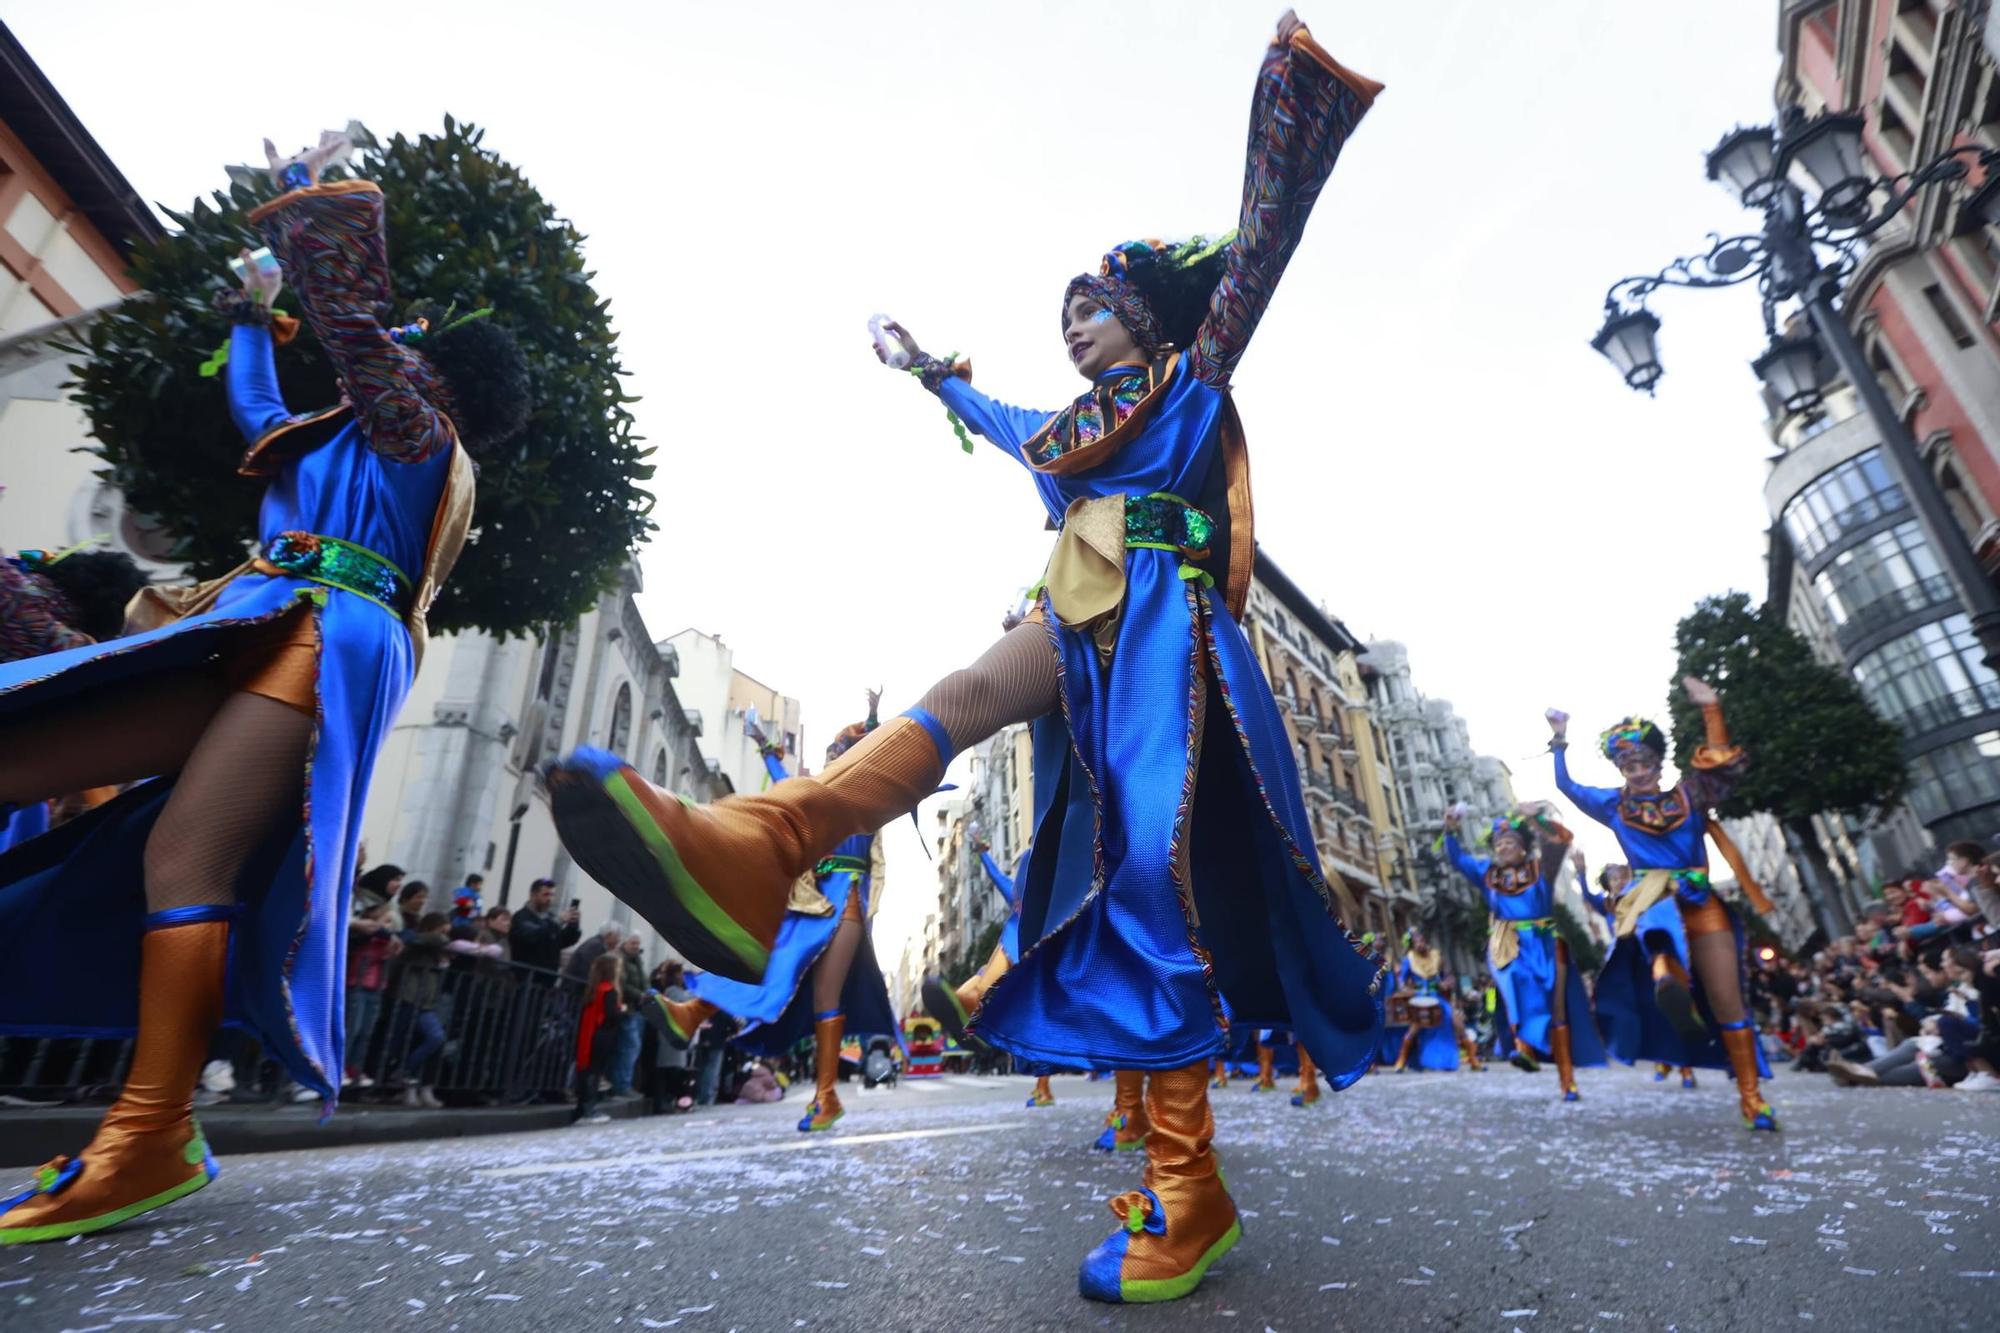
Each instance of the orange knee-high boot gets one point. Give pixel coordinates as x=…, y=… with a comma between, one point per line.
x=715, y=879
x=1043, y=1095
x=953, y=1007
x=1125, y=1129
x=676, y=1020
x=1565, y=1067
x=148, y=1149
x=1403, y=1051
x=1740, y=1040
x=1221, y=1079
x=1182, y=1219
x=828, y=1028
x=1470, y=1050
x=1267, y=1070
x=1308, y=1089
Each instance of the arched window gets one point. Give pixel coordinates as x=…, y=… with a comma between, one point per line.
x=660, y=767
x=621, y=720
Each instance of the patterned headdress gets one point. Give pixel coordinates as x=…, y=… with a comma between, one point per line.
x=847, y=738
x=1510, y=826
x=1633, y=738
x=1111, y=287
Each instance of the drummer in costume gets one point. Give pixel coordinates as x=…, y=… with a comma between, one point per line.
x=1539, y=987
x=220, y=890
x=1673, y=989
x=1173, y=868
x=824, y=936
x=1435, y=1035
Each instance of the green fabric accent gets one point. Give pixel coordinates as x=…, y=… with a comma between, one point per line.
x=1135, y=1221
x=1140, y=1290
x=833, y=865
x=80, y=1226
x=692, y=895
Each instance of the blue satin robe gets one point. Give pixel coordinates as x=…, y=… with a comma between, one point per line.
x=778, y=1013
x=1527, y=985
x=78, y=892
x=1634, y=1028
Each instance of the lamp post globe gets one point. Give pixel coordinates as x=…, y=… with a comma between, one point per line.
x=1828, y=149
x=1747, y=161
x=1629, y=340
x=1790, y=369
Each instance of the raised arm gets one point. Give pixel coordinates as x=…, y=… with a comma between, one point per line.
x=1306, y=106
x=1717, y=765
x=1472, y=867
x=1001, y=879
x=329, y=239
x=1005, y=426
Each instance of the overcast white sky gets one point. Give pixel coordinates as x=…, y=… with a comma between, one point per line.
x=1438, y=453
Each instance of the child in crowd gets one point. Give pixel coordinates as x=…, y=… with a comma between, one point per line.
x=371, y=943
x=597, y=1036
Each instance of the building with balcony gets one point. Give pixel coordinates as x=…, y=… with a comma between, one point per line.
x=995, y=808
x=1352, y=800
x=1851, y=567
x=724, y=700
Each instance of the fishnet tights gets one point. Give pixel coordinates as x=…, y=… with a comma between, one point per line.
x=1013, y=681
x=1715, y=966
x=830, y=972
x=241, y=760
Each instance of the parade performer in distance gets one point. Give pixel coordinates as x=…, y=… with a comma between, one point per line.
x=1436, y=1033
x=221, y=888
x=1672, y=990
x=55, y=600
x=1540, y=989
x=824, y=937
x=1173, y=871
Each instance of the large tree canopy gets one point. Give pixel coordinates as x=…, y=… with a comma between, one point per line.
x=560, y=506
x=1816, y=747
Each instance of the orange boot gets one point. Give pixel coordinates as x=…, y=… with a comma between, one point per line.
x=1565, y=1067
x=676, y=1020
x=953, y=1008
x=1403, y=1052
x=715, y=879
x=828, y=1028
x=148, y=1149
x=1308, y=1089
x=1470, y=1050
x=1043, y=1095
x=1687, y=1077
x=1125, y=1129
x=1221, y=1079
x=1182, y=1219
x=1740, y=1040
x=1267, y=1070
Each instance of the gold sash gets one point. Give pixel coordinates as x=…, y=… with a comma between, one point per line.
x=1641, y=896
x=1503, y=939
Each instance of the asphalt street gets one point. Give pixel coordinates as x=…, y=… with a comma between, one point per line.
x=1415, y=1201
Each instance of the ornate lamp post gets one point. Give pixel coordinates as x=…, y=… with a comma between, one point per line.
x=1806, y=249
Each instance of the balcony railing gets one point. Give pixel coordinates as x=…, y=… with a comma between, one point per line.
x=1930, y=714
x=1885, y=610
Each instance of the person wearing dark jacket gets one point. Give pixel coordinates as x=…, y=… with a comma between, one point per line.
x=539, y=935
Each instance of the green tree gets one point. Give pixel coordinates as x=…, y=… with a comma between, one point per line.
x=1816, y=747
x=559, y=507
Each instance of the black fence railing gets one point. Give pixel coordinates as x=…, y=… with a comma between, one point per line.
x=495, y=1030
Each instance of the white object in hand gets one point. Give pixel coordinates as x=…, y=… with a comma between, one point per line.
x=266, y=262
x=887, y=345
x=1557, y=716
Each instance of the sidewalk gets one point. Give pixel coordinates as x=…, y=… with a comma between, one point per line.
x=30, y=1136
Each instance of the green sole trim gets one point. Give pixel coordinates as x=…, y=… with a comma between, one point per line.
x=688, y=889
x=83, y=1226
x=817, y=1128
x=1139, y=1291
x=1133, y=1146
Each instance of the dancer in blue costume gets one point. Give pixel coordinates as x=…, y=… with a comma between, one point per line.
x=218, y=891
x=1672, y=990
x=825, y=936
x=1435, y=1046
x=1540, y=989
x=1612, y=881
x=1173, y=866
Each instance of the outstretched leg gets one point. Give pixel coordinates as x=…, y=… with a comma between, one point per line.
x=715, y=879
x=241, y=786
x=107, y=739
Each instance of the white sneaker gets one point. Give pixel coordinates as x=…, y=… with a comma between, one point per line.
x=599, y=1119
x=1979, y=1081
x=218, y=1076
x=300, y=1096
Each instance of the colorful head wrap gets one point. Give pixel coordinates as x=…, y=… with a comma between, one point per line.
x=846, y=739
x=1633, y=738
x=1113, y=289
x=1511, y=826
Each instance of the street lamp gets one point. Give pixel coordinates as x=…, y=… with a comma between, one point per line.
x=1802, y=254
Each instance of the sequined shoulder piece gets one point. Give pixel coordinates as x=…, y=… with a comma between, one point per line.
x=1512, y=883
x=1657, y=814
x=1097, y=425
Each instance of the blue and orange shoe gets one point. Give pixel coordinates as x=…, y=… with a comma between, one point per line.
x=675, y=1020
x=1763, y=1118
x=122, y=1174
x=716, y=879
x=1687, y=1078
x=822, y=1114
x=1661, y=1071
x=1572, y=1095
x=1043, y=1095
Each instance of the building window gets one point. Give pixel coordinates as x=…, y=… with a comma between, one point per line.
x=621, y=720
x=1930, y=677
x=1947, y=315
x=1857, y=492
x=660, y=768
x=1957, y=777
x=1885, y=577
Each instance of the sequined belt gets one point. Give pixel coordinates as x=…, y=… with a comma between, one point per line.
x=339, y=564
x=1166, y=522
x=834, y=865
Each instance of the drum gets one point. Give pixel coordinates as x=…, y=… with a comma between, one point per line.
x=1398, y=1009
x=1426, y=1012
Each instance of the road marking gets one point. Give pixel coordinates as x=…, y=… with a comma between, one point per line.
x=806, y=1144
